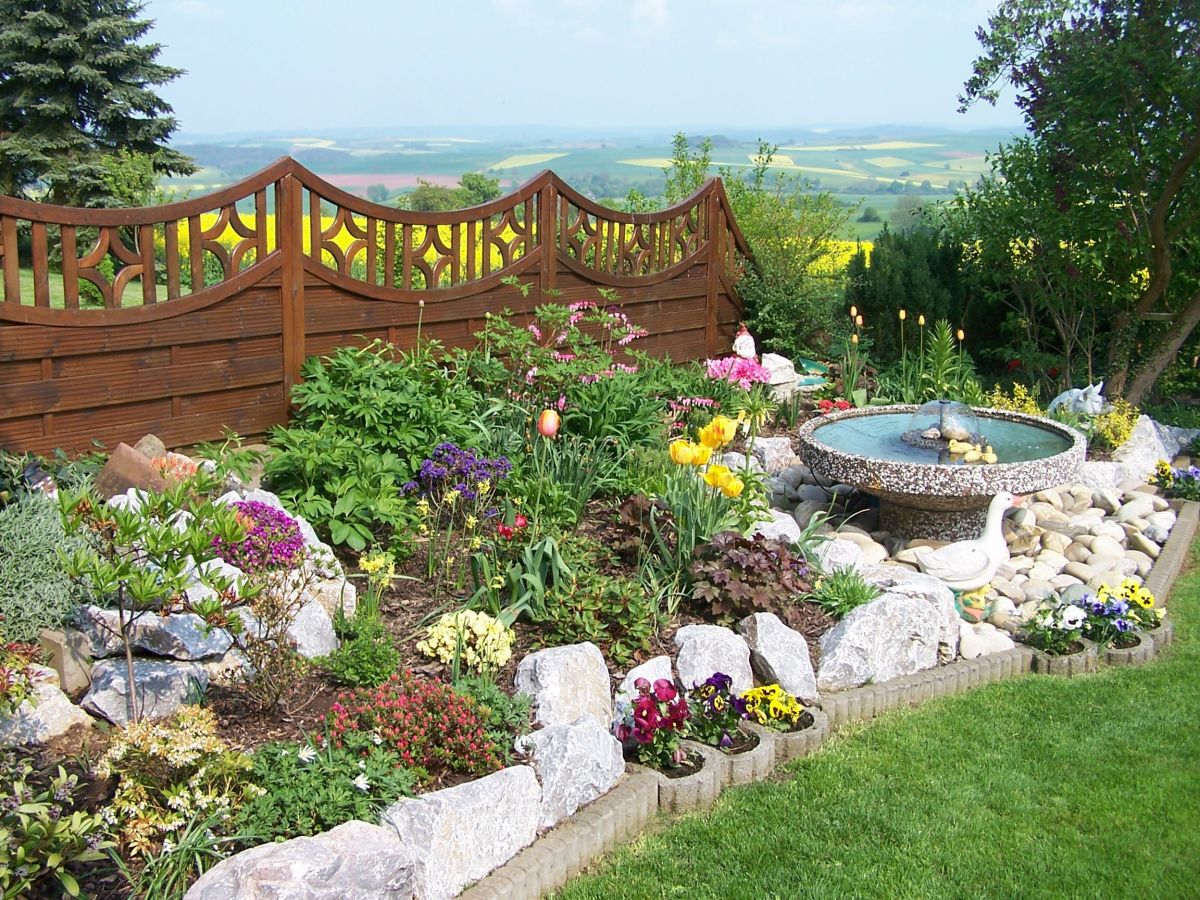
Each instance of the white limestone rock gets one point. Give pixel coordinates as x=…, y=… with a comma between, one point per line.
x=355, y=859
x=707, y=649
x=780, y=527
x=891, y=636
x=566, y=683
x=774, y=453
x=981, y=639
x=575, y=764
x=782, y=369
x=311, y=631
x=840, y=554
x=459, y=834
x=162, y=686
x=899, y=580
x=779, y=655
x=49, y=715
x=179, y=636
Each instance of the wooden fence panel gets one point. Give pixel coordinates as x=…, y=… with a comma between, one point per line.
x=193, y=317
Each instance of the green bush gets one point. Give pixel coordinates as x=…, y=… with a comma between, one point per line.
x=366, y=656
x=308, y=789
x=841, y=592
x=35, y=592
x=504, y=717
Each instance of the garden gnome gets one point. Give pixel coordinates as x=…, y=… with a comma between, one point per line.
x=743, y=344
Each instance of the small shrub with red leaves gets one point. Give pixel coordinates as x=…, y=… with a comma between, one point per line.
x=426, y=722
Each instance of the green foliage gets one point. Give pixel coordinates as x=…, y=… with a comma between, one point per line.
x=194, y=848
x=16, y=675
x=733, y=577
x=615, y=614
x=914, y=270
x=523, y=586
x=841, y=592
x=42, y=831
x=366, y=656
x=473, y=189
x=78, y=88
x=937, y=368
x=35, y=591
x=314, y=786
x=504, y=717
x=1113, y=427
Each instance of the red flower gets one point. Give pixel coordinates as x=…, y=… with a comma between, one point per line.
x=520, y=521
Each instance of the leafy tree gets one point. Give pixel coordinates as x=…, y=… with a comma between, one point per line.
x=1110, y=93
x=869, y=214
x=76, y=87
x=473, y=188
x=378, y=193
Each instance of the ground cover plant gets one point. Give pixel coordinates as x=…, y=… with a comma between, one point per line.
x=891, y=810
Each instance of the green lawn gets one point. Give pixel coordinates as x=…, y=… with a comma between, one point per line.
x=1031, y=788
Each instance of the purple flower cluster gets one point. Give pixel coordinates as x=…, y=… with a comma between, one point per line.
x=1113, y=609
x=273, y=540
x=716, y=711
x=450, y=467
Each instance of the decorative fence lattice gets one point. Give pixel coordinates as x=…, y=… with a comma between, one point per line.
x=195, y=316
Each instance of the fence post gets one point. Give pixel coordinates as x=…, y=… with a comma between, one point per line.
x=291, y=251
x=711, y=272
x=548, y=237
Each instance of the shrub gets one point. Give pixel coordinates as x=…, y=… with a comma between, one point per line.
x=41, y=829
x=366, y=657
x=504, y=717
x=35, y=591
x=16, y=675
x=1112, y=428
x=167, y=772
x=615, y=614
x=308, y=788
x=733, y=576
x=841, y=592
x=273, y=539
x=426, y=722
x=473, y=640
x=1020, y=399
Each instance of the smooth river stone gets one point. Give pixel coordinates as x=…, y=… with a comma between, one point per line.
x=1084, y=573
x=1141, y=560
x=1145, y=545
x=1104, y=545
x=1078, y=552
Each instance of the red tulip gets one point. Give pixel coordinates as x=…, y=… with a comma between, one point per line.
x=520, y=522
x=548, y=422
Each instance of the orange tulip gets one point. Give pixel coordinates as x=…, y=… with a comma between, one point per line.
x=548, y=422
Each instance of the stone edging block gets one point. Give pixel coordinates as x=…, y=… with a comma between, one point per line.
x=1137, y=655
x=624, y=811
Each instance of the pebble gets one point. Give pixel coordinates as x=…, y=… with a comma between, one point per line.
x=1141, y=560
x=1103, y=562
x=1106, y=499
x=1084, y=573
x=1038, y=590
x=1055, y=542
x=1105, y=545
x=1074, y=593
x=1145, y=545
x=1055, y=562
x=1108, y=529
x=1064, y=580
x=1135, y=509
x=1040, y=572
x=1078, y=552
x=1008, y=591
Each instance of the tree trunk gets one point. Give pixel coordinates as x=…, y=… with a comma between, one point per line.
x=1164, y=352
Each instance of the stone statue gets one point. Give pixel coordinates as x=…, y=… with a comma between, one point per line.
x=1085, y=401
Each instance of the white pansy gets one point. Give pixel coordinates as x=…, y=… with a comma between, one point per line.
x=1073, y=617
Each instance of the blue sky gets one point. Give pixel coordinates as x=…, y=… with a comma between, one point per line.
x=284, y=65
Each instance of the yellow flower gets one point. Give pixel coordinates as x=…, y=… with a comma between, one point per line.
x=484, y=486
x=700, y=454
x=717, y=476
x=853, y=311
x=452, y=496
x=718, y=432
x=423, y=506
x=681, y=453
x=960, y=334
x=903, y=315
x=472, y=521
x=733, y=487
x=921, y=320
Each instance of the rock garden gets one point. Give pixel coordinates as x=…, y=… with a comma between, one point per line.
x=466, y=598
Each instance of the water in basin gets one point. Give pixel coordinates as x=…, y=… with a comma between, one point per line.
x=878, y=436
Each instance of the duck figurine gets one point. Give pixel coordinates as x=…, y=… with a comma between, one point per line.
x=959, y=448
x=969, y=565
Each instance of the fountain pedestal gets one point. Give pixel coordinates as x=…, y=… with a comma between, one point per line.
x=922, y=497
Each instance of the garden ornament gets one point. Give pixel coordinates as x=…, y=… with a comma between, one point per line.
x=743, y=344
x=1085, y=401
x=969, y=565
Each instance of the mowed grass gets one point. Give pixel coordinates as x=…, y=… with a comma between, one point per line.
x=1036, y=787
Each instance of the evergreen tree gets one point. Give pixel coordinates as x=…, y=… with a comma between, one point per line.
x=77, y=89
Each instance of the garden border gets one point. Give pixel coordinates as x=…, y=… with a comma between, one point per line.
x=563, y=852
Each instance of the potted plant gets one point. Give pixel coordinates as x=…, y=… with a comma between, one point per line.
x=1056, y=635
x=716, y=719
x=1117, y=623
x=795, y=730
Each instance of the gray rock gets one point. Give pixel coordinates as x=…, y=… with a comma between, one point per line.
x=1004, y=612
x=897, y=580
x=566, y=683
x=459, y=834
x=1142, y=562
x=839, y=554
x=1082, y=571
x=981, y=639
x=51, y=715
x=738, y=462
x=775, y=453
x=162, y=687
x=1074, y=593
x=803, y=514
x=1105, y=545
x=891, y=636
x=706, y=649
x=1101, y=562
x=779, y=655
x=1145, y=545
x=334, y=594
x=1144, y=448
x=575, y=764
x=311, y=631
x=100, y=629
x=652, y=670
x=780, y=527
x=355, y=859
x=150, y=446
x=179, y=636
x=814, y=493
x=1137, y=508
x=796, y=475
x=1038, y=590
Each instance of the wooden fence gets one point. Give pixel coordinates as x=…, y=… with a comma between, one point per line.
x=195, y=316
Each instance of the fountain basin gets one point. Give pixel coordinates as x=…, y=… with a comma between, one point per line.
x=921, y=494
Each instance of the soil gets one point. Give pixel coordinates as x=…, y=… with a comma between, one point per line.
x=743, y=742
x=692, y=764
x=1125, y=641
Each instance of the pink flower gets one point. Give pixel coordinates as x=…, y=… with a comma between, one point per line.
x=535, y=331
x=642, y=685
x=664, y=690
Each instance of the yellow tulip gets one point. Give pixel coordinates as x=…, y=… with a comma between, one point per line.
x=733, y=487
x=853, y=311
x=960, y=335
x=921, y=320
x=854, y=338
x=903, y=315
x=717, y=476
x=700, y=454
x=681, y=453
x=718, y=432
x=858, y=321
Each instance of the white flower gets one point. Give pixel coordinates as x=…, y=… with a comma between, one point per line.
x=362, y=765
x=306, y=754
x=167, y=846
x=1073, y=617
x=376, y=739
x=361, y=783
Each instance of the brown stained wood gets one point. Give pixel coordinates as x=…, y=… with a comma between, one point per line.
x=171, y=250
x=260, y=224
x=12, y=260
x=371, y=240
x=196, y=253
x=70, y=262
x=146, y=244
x=41, y=266
x=291, y=293
x=389, y=254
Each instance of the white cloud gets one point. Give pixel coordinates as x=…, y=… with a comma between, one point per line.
x=653, y=13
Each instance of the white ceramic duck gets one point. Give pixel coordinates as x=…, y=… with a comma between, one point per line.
x=969, y=565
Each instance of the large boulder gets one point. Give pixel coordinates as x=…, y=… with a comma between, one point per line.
x=126, y=469
x=311, y=630
x=334, y=594
x=179, y=636
x=355, y=859
x=891, y=636
x=162, y=686
x=900, y=580
x=775, y=453
x=459, y=834
x=779, y=655
x=575, y=764
x=707, y=649
x=101, y=630
x=49, y=715
x=566, y=683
